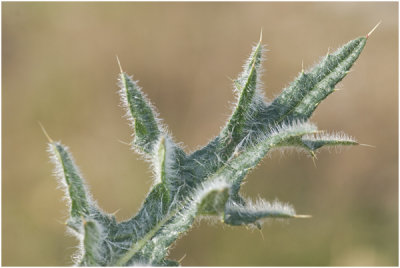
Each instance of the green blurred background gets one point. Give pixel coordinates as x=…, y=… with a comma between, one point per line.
x=59, y=68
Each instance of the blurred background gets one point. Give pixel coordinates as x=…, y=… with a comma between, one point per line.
x=60, y=68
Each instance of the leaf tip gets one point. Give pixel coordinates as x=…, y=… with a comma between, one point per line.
x=45, y=133
x=119, y=64
x=373, y=29
x=366, y=145
x=302, y=216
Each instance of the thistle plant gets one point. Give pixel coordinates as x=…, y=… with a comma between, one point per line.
x=205, y=182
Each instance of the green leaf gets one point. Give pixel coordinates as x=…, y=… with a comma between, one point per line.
x=246, y=86
x=300, y=99
x=71, y=180
x=141, y=114
x=314, y=142
x=252, y=213
x=249, y=97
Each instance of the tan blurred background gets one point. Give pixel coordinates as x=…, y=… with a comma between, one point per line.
x=59, y=68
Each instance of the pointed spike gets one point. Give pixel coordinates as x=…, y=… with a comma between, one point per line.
x=125, y=143
x=181, y=259
x=329, y=52
x=373, y=29
x=115, y=212
x=302, y=216
x=261, y=35
x=119, y=64
x=230, y=78
x=237, y=85
x=367, y=145
x=45, y=133
x=314, y=158
x=262, y=235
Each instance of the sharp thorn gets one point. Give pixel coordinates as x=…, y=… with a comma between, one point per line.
x=45, y=133
x=347, y=72
x=262, y=235
x=313, y=159
x=230, y=78
x=367, y=145
x=302, y=216
x=119, y=64
x=124, y=142
x=260, y=36
x=373, y=29
x=181, y=259
x=115, y=212
x=237, y=85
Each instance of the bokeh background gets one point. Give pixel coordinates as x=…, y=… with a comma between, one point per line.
x=60, y=68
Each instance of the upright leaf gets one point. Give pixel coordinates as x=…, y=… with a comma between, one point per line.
x=140, y=113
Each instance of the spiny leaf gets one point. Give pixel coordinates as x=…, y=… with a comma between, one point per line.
x=314, y=142
x=71, y=180
x=301, y=98
x=141, y=114
x=249, y=97
x=246, y=85
x=252, y=213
